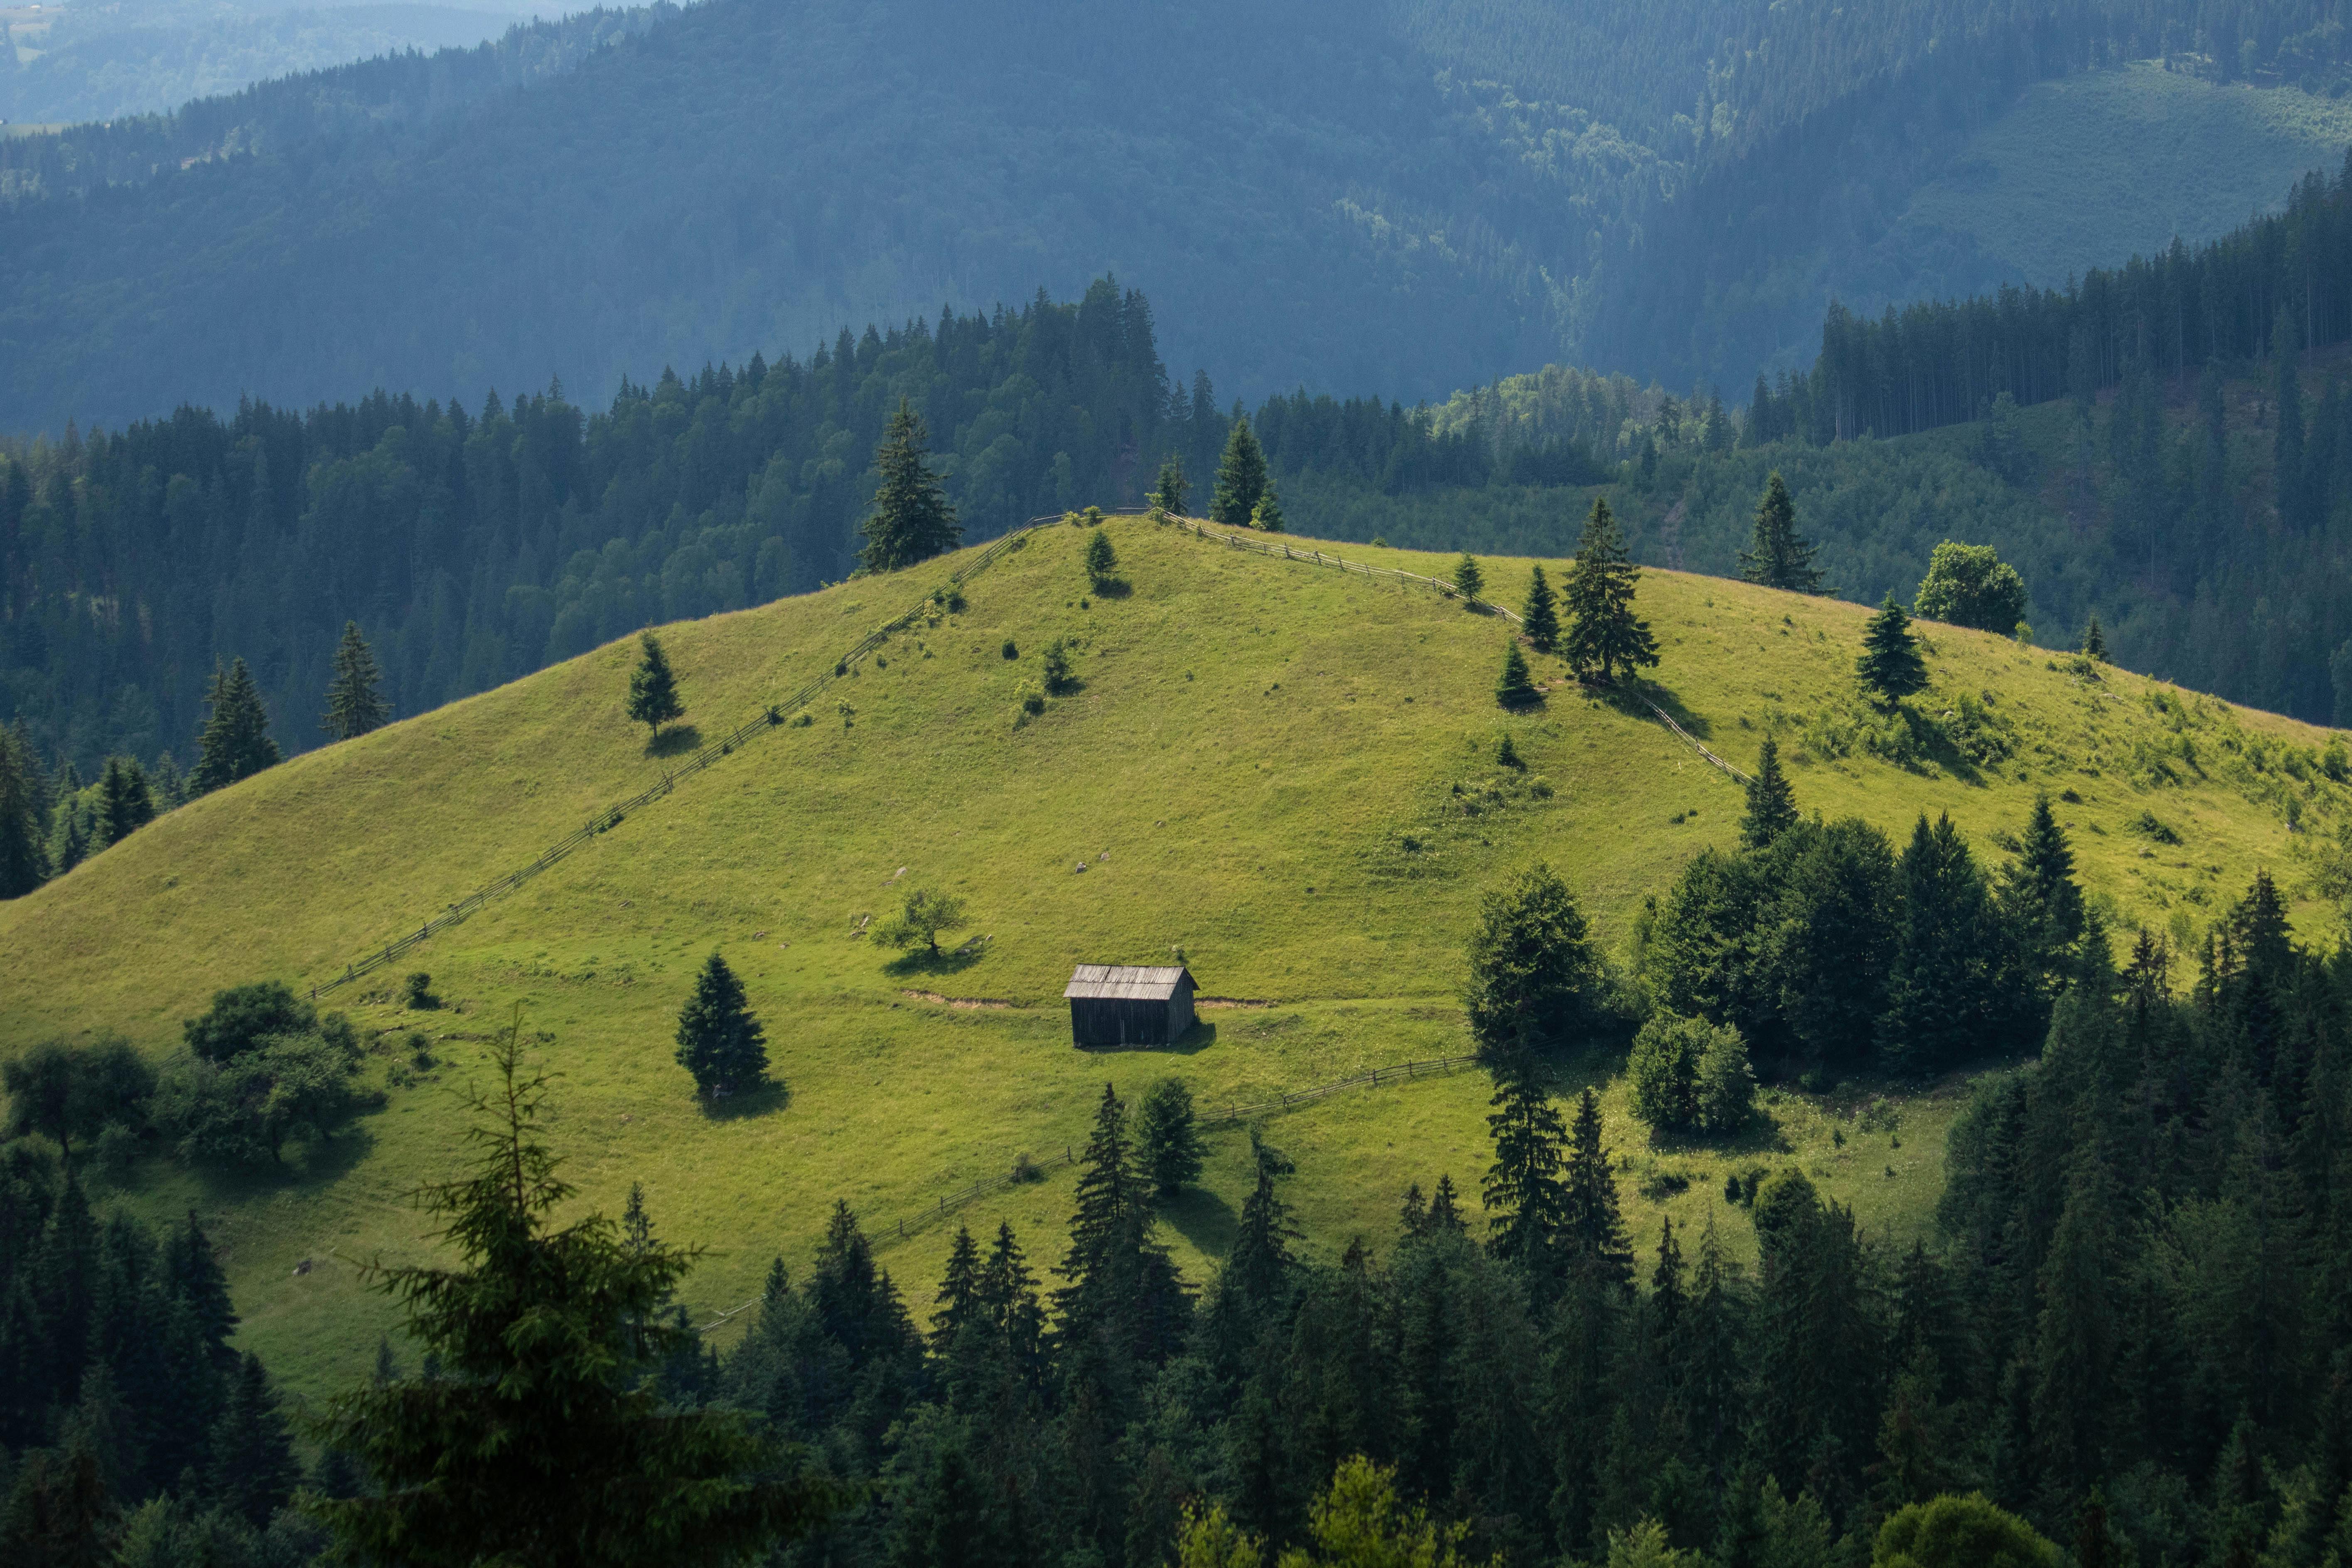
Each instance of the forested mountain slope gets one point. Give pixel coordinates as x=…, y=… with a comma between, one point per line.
x=1413, y=199
x=1319, y=813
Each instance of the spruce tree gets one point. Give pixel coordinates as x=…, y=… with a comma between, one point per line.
x=1469, y=581
x=354, y=707
x=24, y=862
x=912, y=520
x=1771, y=804
x=1890, y=664
x=1516, y=688
x=653, y=689
x=1262, y=1262
x=2041, y=904
x=1169, y=497
x=1603, y=633
x=544, y=1396
x=2095, y=641
x=1446, y=1209
x=124, y=803
x=958, y=1302
x=1594, y=1242
x=1101, y=559
x=1540, y=621
x=1940, y=990
x=1167, y=1139
x=1266, y=516
x=718, y=1039
x=252, y=1452
x=235, y=743
x=1241, y=477
x=1777, y=557
x=1527, y=1201
x=1121, y=1285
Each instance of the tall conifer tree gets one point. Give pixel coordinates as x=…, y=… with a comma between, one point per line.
x=1528, y=1207
x=1605, y=636
x=1241, y=477
x=354, y=705
x=1169, y=493
x=718, y=1039
x=1541, y=619
x=912, y=520
x=1940, y=991
x=1771, y=804
x=1594, y=1241
x=652, y=686
x=1890, y=664
x=235, y=743
x=24, y=862
x=1777, y=556
x=124, y=803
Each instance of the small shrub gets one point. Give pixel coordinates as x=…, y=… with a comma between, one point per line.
x=1031, y=697
x=1506, y=756
x=801, y=721
x=2150, y=827
x=420, y=992
x=1025, y=1171
x=1011, y=649
x=1057, y=667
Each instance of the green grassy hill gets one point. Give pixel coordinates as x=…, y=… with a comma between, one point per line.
x=1282, y=770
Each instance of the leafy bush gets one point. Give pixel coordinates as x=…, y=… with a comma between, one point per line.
x=282, y=1088
x=1691, y=1076
x=920, y=920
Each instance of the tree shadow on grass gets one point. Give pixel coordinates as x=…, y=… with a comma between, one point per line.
x=311, y=1163
x=764, y=1101
x=678, y=740
x=1112, y=588
x=1760, y=1134
x=1632, y=699
x=1202, y=1218
x=923, y=960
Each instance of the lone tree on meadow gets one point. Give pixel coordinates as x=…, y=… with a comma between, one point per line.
x=354, y=707
x=2094, y=642
x=1771, y=804
x=1101, y=559
x=1167, y=1142
x=653, y=689
x=1890, y=664
x=1241, y=477
x=1169, y=497
x=912, y=520
x=544, y=1336
x=1515, y=689
x=1604, y=634
x=1777, y=557
x=1968, y=586
x=1540, y=620
x=718, y=1039
x=235, y=743
x=1533, y=967
x=1469, y=579
x=920, y=920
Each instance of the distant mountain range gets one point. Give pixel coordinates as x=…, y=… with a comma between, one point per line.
x=1406, y=200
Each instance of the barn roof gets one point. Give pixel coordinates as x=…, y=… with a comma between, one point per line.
x=1126, y=981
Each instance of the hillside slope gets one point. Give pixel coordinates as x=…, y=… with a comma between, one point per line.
x=1283, y=772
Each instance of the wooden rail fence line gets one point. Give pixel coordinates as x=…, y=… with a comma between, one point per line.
x=1234, y=1115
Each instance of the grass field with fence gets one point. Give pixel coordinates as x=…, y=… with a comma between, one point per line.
x=1281, y=769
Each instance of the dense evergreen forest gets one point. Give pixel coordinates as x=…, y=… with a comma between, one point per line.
x=1416, y=201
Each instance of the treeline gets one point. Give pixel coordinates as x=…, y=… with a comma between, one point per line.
x=2280, y=285
x=475, y=547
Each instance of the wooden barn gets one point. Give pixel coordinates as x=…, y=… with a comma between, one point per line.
x=1129, y=1004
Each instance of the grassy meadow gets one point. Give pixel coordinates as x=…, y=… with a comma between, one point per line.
x=1283, y=774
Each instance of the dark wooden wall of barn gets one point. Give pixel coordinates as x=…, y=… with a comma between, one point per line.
x=1118, y=1021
